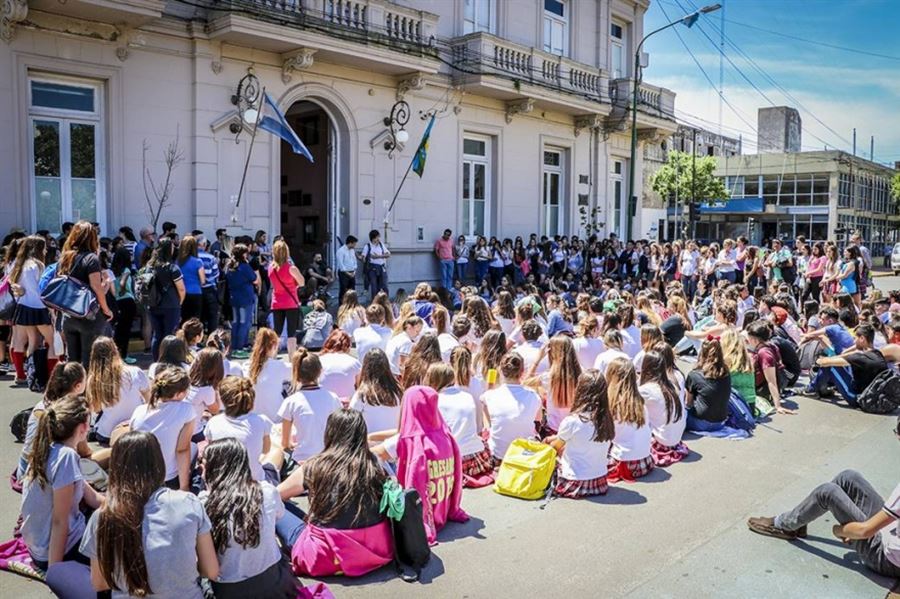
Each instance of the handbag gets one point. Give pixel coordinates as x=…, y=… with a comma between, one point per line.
x=8, y=300
x=71, y=297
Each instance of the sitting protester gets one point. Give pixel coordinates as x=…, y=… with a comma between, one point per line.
x=708, y=389
x=766, y=364
x=862, y=365
x=665, y=411
x=511, y=409
x=629, y=456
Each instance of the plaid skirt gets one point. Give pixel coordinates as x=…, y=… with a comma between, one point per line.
x=476, y=464
x=629, y=470
x=576, y=489
x=663, y=455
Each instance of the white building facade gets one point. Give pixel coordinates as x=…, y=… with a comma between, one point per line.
x=531, y=131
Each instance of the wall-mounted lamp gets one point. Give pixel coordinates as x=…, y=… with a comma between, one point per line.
x=397, y=121
x=246, y=99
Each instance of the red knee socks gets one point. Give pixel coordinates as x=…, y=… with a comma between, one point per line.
x=51, y=364
x=18, y=360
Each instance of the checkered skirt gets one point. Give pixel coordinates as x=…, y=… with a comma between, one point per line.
x=663, y=455
x=628, y=470
x=476, y=464
x=576, y=489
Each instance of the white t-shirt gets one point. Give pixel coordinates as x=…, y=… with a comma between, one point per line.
x=587, y=349
x=134, y=381
x=689, y=260
x=339, y=372
x=631, y=341
x=165, y=422
x=151, y=372
x=631, y=443
x=606, y=357
x=476, y=387
x=370, y=337
x=448, y=343
x=378, y=418
x=200, y=398
x=309, y=409
x=249, y=429
x=460, y=410
x=506, y=325
x=513, y=410
x=890, y=535
x=530, y=352
x=638, y=362
x=232, y=368
x=583, y=458
x=269, y=387
x=669, y=434
x=398, y=345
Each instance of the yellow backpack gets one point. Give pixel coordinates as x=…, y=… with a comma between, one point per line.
x=526, y=469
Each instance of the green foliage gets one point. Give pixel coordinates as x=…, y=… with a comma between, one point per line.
x=676, y=174
x=895, y=188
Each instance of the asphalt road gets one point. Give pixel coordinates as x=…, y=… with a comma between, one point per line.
x=679, y=532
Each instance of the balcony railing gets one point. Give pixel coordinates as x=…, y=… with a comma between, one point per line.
x=359, y=19
x=656, y=101
x=485, y=54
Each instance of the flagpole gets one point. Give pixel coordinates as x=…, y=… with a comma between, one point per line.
x=262, y=98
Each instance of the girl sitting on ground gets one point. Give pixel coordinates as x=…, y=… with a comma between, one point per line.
x=114, y=389
x=192, y=333
x=351, y=315
x=239, y=421
x=587, y=343
x=243, y=512
x=220, y=339
x=425, y=352
x=268, y=373
x=559, y=381
x=345, y=484
x=629, y=456
x=339, y=369
x=464, y=416
x=306, y=409
x=148, y=540
x=489, y=356
x=650, y=336
x=511, y=409
x=666, y=413
x=740, y=367
x=53, y=487
x=172, y=352
x=171, y=420
x=583, y=440
x=378, y=394
x=708, y=389
x=206, y=373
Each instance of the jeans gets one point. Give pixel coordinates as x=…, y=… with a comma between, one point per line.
x=447, y=274
x=124, y=320
x=240, y=326
x=211, y=309
x=376, y=280
x=461, y=269
x=496, y=275
x=698, y=424
x=850, y=498
x=80, y=334
x=690, y=286
x=481, y=268
x=164, y=322
x=730, y=276
x=290, y=525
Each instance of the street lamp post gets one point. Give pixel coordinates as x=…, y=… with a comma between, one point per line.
x=689, y=21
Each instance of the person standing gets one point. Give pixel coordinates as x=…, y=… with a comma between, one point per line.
x=461, y=252
x=147, y=240
x=866, y=258
x=374, y=255
x=242, y=285
x=345, y=263
x=165, y=315
x=443, y=249
x=193, y=272
x=210, y=287
x=286, y=280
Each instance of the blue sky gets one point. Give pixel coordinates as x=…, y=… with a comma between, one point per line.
x=841, y=89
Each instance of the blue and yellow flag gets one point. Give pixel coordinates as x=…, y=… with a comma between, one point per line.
x=418, y=164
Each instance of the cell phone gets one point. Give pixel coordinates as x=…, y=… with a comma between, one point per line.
x=491, y=376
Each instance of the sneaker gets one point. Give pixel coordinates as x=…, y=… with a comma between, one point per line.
x=766, y=526
x=807, y=392
x=129, y=360
x=240, y=354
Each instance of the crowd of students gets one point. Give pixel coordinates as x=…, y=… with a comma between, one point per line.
x=205, y=454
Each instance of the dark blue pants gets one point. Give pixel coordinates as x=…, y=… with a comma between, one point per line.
x=164, y=321
x=376, y=280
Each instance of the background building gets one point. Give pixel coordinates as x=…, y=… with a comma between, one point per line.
x=531, y=133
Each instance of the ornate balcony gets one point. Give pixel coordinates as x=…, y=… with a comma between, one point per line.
x=656, y=107
x=129, y=12
x=397, y=39
x=495, y=67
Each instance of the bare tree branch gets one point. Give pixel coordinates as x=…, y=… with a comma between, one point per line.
x=158, y=197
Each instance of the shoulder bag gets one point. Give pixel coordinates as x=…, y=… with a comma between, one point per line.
x=71, y=297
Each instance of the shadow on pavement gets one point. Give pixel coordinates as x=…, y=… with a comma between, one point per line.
x=850, y=560
x=618, y=495
x=462, y=530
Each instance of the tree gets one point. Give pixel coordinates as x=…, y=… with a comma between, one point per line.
x=676, y=175
x=895, y=188
x=158, y=196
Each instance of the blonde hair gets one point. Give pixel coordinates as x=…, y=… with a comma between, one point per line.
x=105, y=375
x=564, y=371
x=281, y=253
x=461, y=361
x=734, y=352
x=439, y=376
x=625, y=401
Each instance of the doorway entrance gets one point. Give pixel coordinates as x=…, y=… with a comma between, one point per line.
x=308, y=188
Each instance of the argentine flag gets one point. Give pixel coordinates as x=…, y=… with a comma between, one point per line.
x=273, y=121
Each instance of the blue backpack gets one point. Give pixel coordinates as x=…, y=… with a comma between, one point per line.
x=47, y=276
x=739, y=414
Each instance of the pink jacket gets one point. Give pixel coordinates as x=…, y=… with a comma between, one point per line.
x=428, y=460
x=351, y=551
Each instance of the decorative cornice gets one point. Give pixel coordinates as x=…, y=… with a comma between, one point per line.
x=414, y=83
x=296, y=61
x=588, y=121
x=11, y=13
x=518, y=107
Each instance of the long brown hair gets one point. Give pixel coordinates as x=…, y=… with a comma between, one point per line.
x=136, y=471
x=56, y=424
x=461, y=362
x=424, y=353
x=82, y=238
x=305, y=368
x=650, y=336
x=439, y=376
x=564, y=370
x=710, y=360
x=626, y=403
x=382, y=299
x=345, y=475
x=480, y=315
x=208, y=369
x=33, y=247
x=654, y=370
x=505, y=307
x=64, y=378
x=493, y=348
x=187, y=249
x=377, y=384
x=591, y=404
x=105, y=375
x=266, y=340
x=234, y=503
x=237, y=396
x=169, y=382
x=349, y=305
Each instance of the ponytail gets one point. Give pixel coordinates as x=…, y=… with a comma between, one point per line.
x=169, y=382
x=305, y=368
x=56, y=424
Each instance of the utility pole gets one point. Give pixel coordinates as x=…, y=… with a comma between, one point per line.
x=872, y=148
x=677, y=234
x=694, y=181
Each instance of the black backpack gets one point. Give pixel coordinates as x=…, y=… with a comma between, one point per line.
x=882, y=396
x=19, y=424
x=411, y=548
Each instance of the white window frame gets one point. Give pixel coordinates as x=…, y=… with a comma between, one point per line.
x=622, y=45
x=618, y=206
x=65, y=118
x=547, y=171
x=472, y=25
x=468, y=228
x=555, y=19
